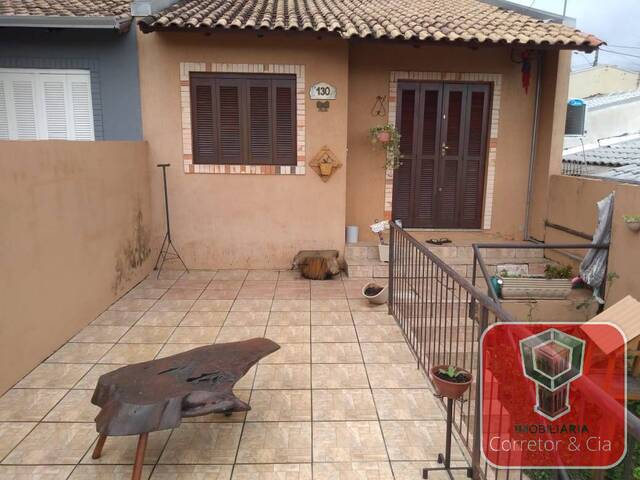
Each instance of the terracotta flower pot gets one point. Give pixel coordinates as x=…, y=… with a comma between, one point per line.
x=448, y=389
x=325, y=169
x=383, y=137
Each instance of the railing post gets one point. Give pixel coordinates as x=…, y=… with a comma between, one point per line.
x=392, y=242
x=483, y=322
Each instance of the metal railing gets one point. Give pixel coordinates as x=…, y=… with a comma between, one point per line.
x=443, y=316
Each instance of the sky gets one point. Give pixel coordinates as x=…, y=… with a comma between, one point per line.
x=617, y=22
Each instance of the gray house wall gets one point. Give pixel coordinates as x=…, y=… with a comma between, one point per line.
x=112, y=59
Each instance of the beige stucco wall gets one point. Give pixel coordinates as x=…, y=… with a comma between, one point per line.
x=572, y=203
x=601, y=80
x=225, y=220
x=73, y=214
x=370, y=67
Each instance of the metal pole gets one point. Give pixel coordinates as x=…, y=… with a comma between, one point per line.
x=166, y=197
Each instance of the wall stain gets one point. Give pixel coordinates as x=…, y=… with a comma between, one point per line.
x=132, y=254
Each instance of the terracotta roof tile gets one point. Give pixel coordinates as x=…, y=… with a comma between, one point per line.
x=66, y=8
x=451, y=20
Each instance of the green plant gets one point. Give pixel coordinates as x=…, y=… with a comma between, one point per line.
x=553, y=272
x=507, y=274
x=391, y=146
x=450, y=371
x=631, y=218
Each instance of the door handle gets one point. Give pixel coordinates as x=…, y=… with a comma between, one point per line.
x=444, y=149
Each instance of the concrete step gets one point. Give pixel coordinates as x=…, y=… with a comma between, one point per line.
x=365, y=267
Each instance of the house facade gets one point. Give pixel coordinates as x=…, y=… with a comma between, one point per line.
x=476, y=146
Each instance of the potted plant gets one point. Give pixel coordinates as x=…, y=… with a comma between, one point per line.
x=632, y=222
x=555, y=284
x=325, y=166
x=383, y=247
x=388, y=137
x=450, y=381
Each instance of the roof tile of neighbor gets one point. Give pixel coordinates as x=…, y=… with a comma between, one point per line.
x=627, y=173
x=616, y=98
x=435, y=20
x=616, y=155
x=66, y=8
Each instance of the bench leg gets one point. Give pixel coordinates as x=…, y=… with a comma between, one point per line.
x=97, y=452
x=142, y=446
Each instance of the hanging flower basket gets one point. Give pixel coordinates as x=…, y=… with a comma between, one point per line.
x=389, y=139
x=325, y=168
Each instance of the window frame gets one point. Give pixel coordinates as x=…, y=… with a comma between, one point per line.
x=244, y=82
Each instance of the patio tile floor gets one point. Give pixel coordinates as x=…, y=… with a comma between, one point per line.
x=341, y=400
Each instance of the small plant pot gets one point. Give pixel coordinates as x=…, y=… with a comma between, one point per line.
x=375, y=293
x=325, y=169
x=633, y=226
x=449, y=389
x=383, y=137
x=383, y=252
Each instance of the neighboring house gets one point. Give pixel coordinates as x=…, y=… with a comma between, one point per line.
x=607, y=116
x=616, y=158
x=602, y=80
x=68, y=70
x=225, y=89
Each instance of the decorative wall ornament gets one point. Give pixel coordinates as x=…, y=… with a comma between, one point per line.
x=325, y=163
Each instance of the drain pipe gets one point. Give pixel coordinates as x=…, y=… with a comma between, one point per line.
x=534, y=139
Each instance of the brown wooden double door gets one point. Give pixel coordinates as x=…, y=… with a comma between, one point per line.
x=443, y=128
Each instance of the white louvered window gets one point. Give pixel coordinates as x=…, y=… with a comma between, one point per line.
x=45, y=105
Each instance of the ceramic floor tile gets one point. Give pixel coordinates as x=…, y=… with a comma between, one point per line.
x=280, y=406
x=288, y=334
x=146, y=292
x=11, y=434
x=54, y=375
x=131, y=353
x=213, y=443
x=230, y=275
x=175, y=348
x=28, y=404
x=107, y=472
x=270, y=275
x=346, y=404
x=204, y=319
x=246, y=319
x=291, y=275
x=153, y=282
x=180, y=293
x=417, y=440
x=167, y=274
x=289, y=318
x=331, y=305
x=396, y=376
x=300, y=305
x=236, y=334
x=194, y=283
x=363, y=305
x=292, y=293
x=331, y=318
x=413, y=471
x=100, y=334
x=147, y=335
x=353, y=471
x=35, y=472
x=407, y=404
x=192, y=472
x=380, y=333
x=160, y=319
x=192, y=275
x=76, y=406
x=373, y=318
x=225, y=285
x=387, y=353
x=246, y=382
x=132, y=305
x=212, y=306
x=122, y=450
x=89, y=381
x=288, y=471
x=217, y=294
x=275, y=442
x=172, y=305
x=117, y=318
x=194, y=335
x=339, y=376
x=333, y=333
x=251, y=305
x=79, y=353
x=54, y=444
x=290, y=353
x=348, y=442
x=336, y=353
x=283, y=376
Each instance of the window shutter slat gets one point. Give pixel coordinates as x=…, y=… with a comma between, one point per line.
x=402, y=176
x=260, y=146
x=285, y=122
x=229, y=119
x=25, y=109
x=203, y=128
x=54, y=102
x=4, y=113
x=81, y=108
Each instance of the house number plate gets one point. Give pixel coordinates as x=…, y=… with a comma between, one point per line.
x=322, y=91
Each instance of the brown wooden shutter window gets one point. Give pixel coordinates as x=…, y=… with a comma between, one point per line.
x=243, y=119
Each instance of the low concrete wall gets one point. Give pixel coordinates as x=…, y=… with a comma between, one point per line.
x=74, y=237
x=572, y=203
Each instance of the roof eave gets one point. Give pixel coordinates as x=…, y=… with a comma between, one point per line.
x=119, y=24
